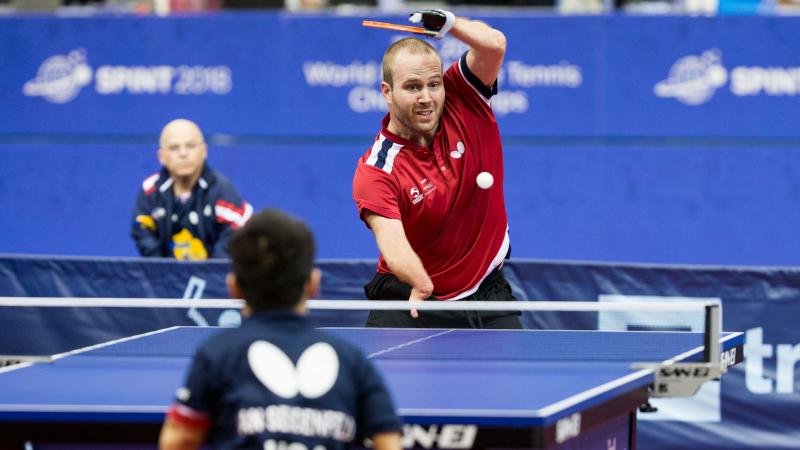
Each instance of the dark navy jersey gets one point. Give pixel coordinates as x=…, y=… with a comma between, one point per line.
x=198, y=229
x=278, y=383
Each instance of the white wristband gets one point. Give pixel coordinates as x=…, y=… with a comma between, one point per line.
x=450, y=21
x=448, y=24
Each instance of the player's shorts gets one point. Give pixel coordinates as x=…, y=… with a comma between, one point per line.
x=386, y=286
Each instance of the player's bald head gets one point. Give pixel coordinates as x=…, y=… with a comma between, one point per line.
x=408, y=45
x=180, y=128
x=182, y=149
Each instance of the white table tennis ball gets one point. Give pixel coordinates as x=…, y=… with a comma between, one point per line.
x=485, y=180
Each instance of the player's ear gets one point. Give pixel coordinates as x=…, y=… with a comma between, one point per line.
x=234, y=289
x=386, y=90
x=312, y=286
x=160, y=155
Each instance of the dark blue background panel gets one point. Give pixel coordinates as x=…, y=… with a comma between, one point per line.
x=265, y=74
x=696, y=203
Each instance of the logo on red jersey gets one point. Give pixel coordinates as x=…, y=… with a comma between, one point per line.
x=459, y=151
x=415, y=197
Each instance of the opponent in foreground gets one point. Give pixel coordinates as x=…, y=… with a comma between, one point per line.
x=441, y=234
x=277, y=382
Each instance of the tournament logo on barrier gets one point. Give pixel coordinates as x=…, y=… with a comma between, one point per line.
x=229, y=318
x=694, y=79
x=760, y=379
x=60, y=78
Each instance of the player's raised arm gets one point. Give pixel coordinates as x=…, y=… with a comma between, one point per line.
x=487, y=45
x=400, y=257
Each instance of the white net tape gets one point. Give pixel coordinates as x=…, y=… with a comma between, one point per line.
x=359, y=304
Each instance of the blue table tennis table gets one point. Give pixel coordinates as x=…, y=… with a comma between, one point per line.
x=453, y=388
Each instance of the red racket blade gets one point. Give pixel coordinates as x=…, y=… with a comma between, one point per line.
x=396, y=27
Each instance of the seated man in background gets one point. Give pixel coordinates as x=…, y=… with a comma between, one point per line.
x=186, y=210
x=277, y=382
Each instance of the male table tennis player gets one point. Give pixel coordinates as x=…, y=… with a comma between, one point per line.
x=277, y=382
x=442, y=230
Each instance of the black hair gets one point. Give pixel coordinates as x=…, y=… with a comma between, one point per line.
x=272, y=257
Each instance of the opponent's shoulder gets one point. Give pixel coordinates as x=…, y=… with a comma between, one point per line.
x=214, y=352
x=222, y=340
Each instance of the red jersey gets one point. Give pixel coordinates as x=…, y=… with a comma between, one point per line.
x=458, y=230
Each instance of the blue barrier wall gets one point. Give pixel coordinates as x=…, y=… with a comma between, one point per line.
x=626, y=203
x=267, y=74
x=754, y=407
x=651, y=139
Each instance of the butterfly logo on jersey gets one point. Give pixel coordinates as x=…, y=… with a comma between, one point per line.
x=314, y=375
x=459, y=151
